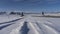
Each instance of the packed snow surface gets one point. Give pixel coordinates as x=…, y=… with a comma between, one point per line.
x=13, y=24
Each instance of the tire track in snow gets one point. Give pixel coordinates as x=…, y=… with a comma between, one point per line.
x=39, y=26
x=36, y=32
x=6, y=24
x=34, y=26
x=52, y=25
x=43, y=27
x=10, y=21
x=52, y=30
x=30, y=21
x=17, y=30
x=46, y=29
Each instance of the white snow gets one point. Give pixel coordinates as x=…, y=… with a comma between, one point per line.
x=34, y=25
x=6, y=18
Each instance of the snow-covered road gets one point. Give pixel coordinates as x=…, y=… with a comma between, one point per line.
x=32, y=25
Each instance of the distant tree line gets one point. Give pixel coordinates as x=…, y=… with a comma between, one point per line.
x=15, y=13
x=1, y=13
x=12, y=13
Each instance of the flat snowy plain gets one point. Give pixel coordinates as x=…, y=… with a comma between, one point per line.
x=29, y=24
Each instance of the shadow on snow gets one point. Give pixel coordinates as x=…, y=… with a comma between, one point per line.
x=24, y=29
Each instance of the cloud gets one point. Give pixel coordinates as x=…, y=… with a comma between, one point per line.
x=28, y=2
x=17, y=0
x=35, y=1
x=44, y=1
x=52, y=1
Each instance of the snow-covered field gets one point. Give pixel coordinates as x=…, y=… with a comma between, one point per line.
x=5, y=18
x=29, y=24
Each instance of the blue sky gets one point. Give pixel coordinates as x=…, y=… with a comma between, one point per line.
x=30, y=5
